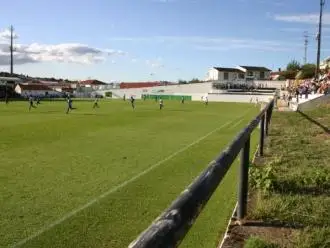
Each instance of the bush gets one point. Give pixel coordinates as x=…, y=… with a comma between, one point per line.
x=255, y=242
x=108, y=94
x=262, y=178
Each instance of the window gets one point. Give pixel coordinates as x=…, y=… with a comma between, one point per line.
x=241, y=75
x=250, y=73
x=262, y=75
x=225, y=76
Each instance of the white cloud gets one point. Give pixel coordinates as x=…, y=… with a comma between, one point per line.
x=5, y=35
x=213, y=43
x=157, y=63
x=67, y=52
x=311, y=18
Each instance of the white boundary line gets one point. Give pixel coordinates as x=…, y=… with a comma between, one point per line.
x=123, y=184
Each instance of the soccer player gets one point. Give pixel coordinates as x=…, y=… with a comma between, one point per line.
x=124, y=98
x=132, y=102
x=96, y=103
x=206, y=100
x=69, y=101
x=31, y=103
x=182, y=100
x=161, y=103
x=38, y=100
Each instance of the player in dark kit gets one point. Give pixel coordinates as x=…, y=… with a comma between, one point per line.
x=38, y=100
x=182, y=100
x=96, y=103
x=31, y=103
x=69, y=101
x=161, y=104
x=132, y=102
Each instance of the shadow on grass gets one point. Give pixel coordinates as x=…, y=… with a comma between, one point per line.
x=326, y=129
x=290, y=187
x=274, y=224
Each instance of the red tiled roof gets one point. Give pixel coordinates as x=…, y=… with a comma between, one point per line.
x=39, y=87
x=92, y=82
x=128, y=85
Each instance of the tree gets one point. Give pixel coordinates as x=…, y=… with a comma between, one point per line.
x=182, y=81
x=307, y=71
x=289, y=74
x=194, y=81
x=293, y=65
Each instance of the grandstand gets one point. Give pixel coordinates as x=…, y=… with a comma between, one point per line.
x=197, y=91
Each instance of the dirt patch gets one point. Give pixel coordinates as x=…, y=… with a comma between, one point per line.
x=272, y=232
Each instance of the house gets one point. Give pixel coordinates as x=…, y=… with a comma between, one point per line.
x=255, y=72
x=9, y=80
x=7, y=85
x=223, y=73
x=91, y=83
x=238, y=74
x=30, y=89
x=325, y=64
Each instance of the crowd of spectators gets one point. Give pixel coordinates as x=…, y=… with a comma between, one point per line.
x=303, y=88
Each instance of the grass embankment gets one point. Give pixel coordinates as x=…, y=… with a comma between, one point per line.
x=291, y=196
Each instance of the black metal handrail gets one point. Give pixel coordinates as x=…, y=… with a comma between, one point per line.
x=169, y=229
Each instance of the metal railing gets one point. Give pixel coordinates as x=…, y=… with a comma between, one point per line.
x=169, y=229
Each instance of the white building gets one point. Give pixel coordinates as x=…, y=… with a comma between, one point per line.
x=9, y=80
x=325, y=64
x=239, y=73
x=255, y=72
x=223, y=74
x=27, y=90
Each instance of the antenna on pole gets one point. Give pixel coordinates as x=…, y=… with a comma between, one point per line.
x=322, y=3
x=11, y=50
x=306, y=46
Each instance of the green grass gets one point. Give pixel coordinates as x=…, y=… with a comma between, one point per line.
x=52, y=164
x=255, y=242
x=298, y=154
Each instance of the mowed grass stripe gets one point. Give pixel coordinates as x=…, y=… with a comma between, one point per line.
x=185, y=128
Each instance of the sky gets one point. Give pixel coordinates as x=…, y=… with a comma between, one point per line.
x=149, y=40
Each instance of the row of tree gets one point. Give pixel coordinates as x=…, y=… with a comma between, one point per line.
x=192, y=81
x=27, y=77
x=294, y=70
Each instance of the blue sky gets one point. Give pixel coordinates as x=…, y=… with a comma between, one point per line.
x=134, y=40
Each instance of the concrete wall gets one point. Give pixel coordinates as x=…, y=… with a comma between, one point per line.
x=271, y=83
x=181, y=89
x=312, y=104
x=239, y=98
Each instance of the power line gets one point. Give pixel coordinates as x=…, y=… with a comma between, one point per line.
x=306, y=36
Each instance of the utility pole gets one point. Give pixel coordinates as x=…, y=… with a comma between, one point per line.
x=11, y=50
x=306, y=45
x=322, y=2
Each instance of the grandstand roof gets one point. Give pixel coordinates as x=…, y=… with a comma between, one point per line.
x=255, y=68
x=34, y=87
x=227, y=69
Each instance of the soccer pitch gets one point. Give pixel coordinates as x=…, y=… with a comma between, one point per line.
x=98, y=177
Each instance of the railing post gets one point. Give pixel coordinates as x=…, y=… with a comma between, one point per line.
x=243, y=180
x=267, y=120
x=262, y=136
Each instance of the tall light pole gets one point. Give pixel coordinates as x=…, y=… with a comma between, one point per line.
x=305, y=45
x=322, y=2
x=11, y=50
